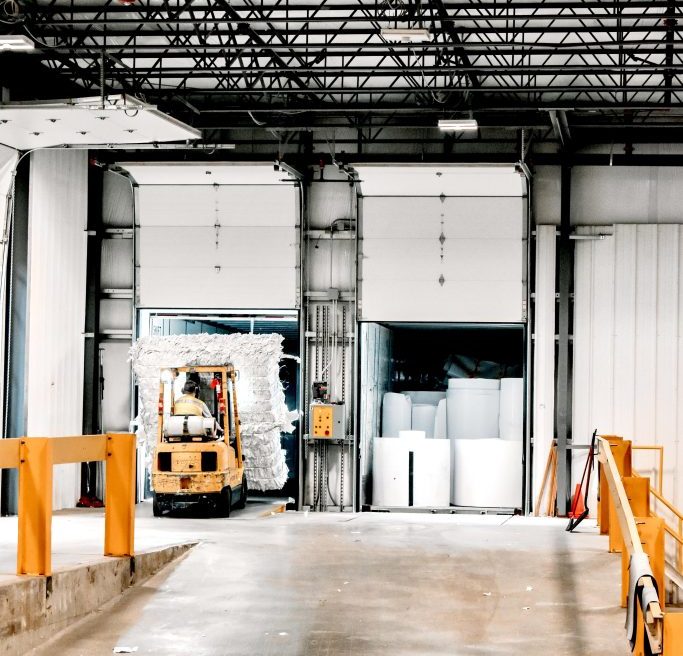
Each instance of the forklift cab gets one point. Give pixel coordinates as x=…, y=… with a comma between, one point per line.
x=215, y=390
x=199, y=459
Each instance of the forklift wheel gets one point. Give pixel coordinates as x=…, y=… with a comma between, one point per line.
x=158, y=507
x=243, y=494
x=224, y=502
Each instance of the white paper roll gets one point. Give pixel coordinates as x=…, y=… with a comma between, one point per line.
x=390, y=475
x=396, y=414
x=441, y=420
x=473, y=408
x=511, y=421
x=474, y=383
x=487, y=473
x=429, y=398
x=423, y=418
x=432, y=474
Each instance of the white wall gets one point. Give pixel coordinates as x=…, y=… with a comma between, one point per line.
x=56, y=310
x=628, y=353
x=604, y=195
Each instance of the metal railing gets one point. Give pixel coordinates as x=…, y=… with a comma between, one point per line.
x=35, y=457
x=640, y=537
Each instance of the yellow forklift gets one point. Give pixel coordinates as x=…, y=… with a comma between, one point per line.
x=199, y=459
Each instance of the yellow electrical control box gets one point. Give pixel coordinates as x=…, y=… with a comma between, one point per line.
x=327, y=421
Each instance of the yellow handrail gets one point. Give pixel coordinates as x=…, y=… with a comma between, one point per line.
x=35, y=457
x=678, y=536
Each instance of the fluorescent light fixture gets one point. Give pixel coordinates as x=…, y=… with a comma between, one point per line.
x=462, y=124
x=406, y=34
x=16, y=42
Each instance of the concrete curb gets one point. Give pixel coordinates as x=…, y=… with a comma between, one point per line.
x=34, y=609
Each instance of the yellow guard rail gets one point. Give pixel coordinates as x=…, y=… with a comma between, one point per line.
x=624, y=513
x=35, y=457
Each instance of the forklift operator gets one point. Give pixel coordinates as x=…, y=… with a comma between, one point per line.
x=189, y=404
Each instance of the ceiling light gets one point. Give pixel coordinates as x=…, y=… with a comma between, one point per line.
x=406, y=34
x=16, y=42
x=458, y=124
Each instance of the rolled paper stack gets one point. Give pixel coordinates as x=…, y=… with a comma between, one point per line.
x=511, y=408
x=396, y=414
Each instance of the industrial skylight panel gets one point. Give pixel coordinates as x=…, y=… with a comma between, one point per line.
x=117, y=120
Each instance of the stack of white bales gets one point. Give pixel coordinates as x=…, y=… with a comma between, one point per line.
x=261, y=400
x=485, y=426
x=483, y=419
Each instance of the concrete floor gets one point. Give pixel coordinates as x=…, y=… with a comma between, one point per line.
x=304, y=584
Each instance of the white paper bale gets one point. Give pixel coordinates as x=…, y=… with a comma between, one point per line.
x=511, y=408
x=390, y=475
x=428, y=398
x=396, y=414
x=261, y=399
x=487, y=473
x=441, y=420
x=423, y=418
x=432, y=474
x=473, y=408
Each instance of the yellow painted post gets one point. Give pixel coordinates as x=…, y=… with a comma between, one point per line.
x=673, y=634
x=34, y=544
x=637, y=490
x=621, y=450
x=618, y=450
x=119, y=511
x=651, y=532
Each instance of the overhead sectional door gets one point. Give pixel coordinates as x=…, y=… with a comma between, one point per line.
x=443, y=258
x=217, y=246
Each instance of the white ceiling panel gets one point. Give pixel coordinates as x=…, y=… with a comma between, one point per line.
x=182, y=173
x=81, y=121
x=438, y=180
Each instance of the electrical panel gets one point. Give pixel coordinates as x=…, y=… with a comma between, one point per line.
x=327, y=421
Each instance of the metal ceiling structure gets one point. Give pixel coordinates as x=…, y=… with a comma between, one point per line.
x=570, y=67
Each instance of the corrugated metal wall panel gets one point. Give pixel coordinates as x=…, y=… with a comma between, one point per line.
x=57, y=277
x=116, y=269
x=544, y=353
x=627, y=343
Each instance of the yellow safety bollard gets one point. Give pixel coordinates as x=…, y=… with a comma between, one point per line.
x=638, y=493
x=34, y=545
x=621, y=450
x=119, y=509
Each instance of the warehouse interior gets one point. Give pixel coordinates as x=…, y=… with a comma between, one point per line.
x=376, y=301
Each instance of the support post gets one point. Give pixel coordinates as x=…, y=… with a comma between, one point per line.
x=565, y=263
x=119, y=510
x=621, y=450
x=34, y=544
x=651, y=532
x=638, y=493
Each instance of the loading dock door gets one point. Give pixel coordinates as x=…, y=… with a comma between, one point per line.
x=216, y=245
x=434, y=253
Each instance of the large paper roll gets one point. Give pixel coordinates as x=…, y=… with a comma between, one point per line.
x=511, y=421
x=396, y=414
x=432, y=474
x=473, y=408
x=390, y=472
x=423, y=418
x=487, y=473
x=441, y=420
x=429, y=398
